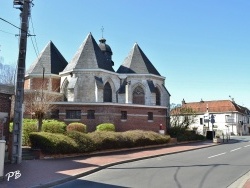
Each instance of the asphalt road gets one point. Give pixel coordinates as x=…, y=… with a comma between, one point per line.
x=211, y=167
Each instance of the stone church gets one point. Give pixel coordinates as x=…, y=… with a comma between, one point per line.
x=133, y=97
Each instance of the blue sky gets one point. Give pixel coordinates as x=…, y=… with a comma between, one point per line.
x=202, y=48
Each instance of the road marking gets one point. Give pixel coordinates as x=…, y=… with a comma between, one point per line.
x=216, y=155
x=235, y=149
x=246, y=146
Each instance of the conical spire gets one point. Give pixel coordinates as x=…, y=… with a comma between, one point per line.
x=51, y=59
x=137, y=62
x=89, y=56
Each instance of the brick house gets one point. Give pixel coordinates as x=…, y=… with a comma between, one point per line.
x=133, y=97
x=228, y=116
x=6, y=93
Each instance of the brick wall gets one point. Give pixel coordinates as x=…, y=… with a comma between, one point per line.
x=51, y=83
x=137, y=117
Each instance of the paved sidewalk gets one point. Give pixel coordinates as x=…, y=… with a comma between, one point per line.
x=49, y=172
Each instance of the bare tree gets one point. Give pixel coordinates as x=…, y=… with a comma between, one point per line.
x=182, y=116
x=39, y=103
x=7, y=73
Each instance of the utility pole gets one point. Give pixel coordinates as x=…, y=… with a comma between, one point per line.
x=16, y=156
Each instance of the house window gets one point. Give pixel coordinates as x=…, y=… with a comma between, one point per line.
x=157, y=96
x=150, y=116
x=138, y=95
x=73, y=114
x=123, y=114
x=201, y=121
x=90, y=114
x=229, y=118
x=107, y=93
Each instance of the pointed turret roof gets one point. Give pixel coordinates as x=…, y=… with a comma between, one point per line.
x=51, y=59
x=89, y=56
x=138, y=63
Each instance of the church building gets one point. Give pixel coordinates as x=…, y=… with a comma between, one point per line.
x=133, y=97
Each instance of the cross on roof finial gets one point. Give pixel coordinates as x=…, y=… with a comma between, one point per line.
x=102, y=31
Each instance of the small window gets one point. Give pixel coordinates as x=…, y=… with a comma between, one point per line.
x=123, y=114
x=90, y=114
x=201, y=121
x=150, y=116
x=73, y=114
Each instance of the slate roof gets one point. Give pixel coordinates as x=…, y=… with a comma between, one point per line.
x=89, y=56
x=137, y=63
x=51, y=59
x=216, y=106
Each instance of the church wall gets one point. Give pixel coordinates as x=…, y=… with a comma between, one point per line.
x=137, y=116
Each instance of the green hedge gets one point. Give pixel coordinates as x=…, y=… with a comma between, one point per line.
x=75, y=142
x=106, y=127
x=53, y=126
x=106, y=140
x=84, y=142
x=29, y=126
x=53, y=143
x=75, y=126
x=182, y=134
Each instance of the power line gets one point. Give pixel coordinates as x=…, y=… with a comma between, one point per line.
x=13, y=25
x=34, y=33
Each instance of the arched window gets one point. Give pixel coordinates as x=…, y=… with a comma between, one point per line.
x=138, y=95
x=107, y=93
x=157, y=96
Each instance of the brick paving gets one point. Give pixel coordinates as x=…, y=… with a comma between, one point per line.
x=49, y=172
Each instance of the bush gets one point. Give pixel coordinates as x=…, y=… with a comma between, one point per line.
x=28, y=126
x=53, y=126
x=143, y=138
x=135, y=138
x=75, y=142
x=176, y=131
x=182, y=134
x=53, y=143
x=106, y=127
x=80, y=127
x=84, y=143
x=106, y=140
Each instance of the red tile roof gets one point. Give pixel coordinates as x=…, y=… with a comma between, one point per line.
x=215, y=106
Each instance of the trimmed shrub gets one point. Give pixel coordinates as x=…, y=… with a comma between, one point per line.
x=80, y=127
x=28, y=126
x=106, y=127
x=84, y=142
x=144, y=138
x=75, y=142
x=53, y=143
x=54, y=126
x=106, y=140
x=135, y=138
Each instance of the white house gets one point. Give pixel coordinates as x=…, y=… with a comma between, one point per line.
x=224, y=115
